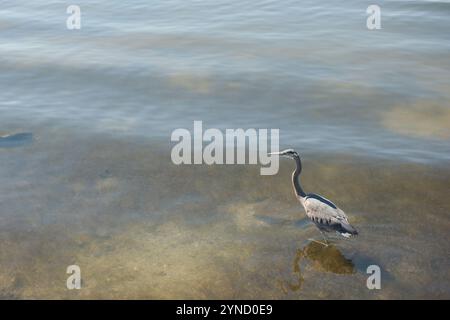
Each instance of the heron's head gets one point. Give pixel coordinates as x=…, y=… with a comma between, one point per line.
x=288, y=153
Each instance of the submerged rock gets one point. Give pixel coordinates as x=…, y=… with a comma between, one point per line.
x=16, y=140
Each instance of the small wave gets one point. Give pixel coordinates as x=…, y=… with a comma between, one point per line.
x=15, y=140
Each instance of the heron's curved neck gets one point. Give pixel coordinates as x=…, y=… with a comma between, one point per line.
x=296, y=181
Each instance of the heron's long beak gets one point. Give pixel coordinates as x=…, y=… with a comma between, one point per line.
x=274, y=153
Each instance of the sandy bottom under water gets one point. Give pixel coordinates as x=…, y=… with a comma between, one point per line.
x=140, y=227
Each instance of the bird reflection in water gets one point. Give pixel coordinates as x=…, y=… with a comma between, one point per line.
x=322, y=259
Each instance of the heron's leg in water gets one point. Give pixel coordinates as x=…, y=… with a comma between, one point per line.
x=324, y=237
x=325, y=243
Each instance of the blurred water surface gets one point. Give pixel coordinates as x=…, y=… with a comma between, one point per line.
x=86, y=176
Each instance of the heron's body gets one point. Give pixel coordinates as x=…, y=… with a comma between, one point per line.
x=324, y=213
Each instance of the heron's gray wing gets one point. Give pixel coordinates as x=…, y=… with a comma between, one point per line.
x=328, y=218
x=321, y=212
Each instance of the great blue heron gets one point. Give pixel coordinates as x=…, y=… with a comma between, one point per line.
x=324, y=213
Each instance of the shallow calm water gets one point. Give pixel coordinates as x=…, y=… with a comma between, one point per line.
x=88, y=178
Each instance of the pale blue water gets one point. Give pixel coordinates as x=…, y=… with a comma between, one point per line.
x=85, y=170
x=311, y=69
